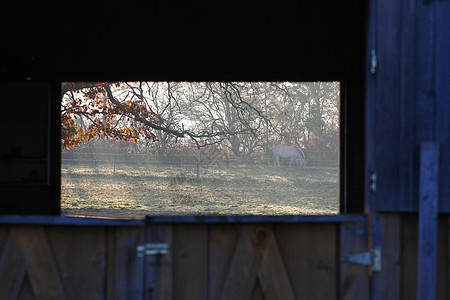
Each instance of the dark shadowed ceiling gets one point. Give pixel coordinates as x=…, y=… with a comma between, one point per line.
x=182, y=39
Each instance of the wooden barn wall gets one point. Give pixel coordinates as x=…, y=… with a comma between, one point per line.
x=166, y=40
x=409, y=94
x=212, y=261
x=228, y=261
x=398, y=277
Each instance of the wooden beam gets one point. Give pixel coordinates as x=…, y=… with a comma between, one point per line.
x=354, y=278
x=98, y=221
x=257, y=263
x=158, y=267
x=428, y=212
x=246, y=262
x=190, y=261
x=12, y=270
x=39, y=262
x=274, y=280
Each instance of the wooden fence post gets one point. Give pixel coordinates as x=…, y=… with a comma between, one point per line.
x=198, y=163
x=115, y=161
x=428, y=220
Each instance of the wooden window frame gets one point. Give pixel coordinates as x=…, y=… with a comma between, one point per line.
x=346, y=141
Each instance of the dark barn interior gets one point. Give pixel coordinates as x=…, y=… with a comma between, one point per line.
x=391, y=239
x=305, y=40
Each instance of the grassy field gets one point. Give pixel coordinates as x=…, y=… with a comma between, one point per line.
x=164, y=190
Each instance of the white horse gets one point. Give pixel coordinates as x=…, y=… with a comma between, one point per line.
x=291, y=152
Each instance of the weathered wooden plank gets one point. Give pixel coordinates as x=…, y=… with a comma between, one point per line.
x=80, y=255
x=412, y=96
x=12, y=270
x=447, y=283
x=388, y=41
x=442, y=11
x=386, y=283
x=370, y=109
x=222, y=242
x=85, y=221
x=68, y=221
x=4, y=234
x=309, y=255
x=274, y=280
x=235, y=270
x=246, y=262
x=190, y=261
x=406, y=143
x=424, y=64
x=128, y=267
x=257, y=292
x=442, y=258
x=38, y=259
x=354, y=279
x=428, y=211
x=256, y=219
x=408, y=256
x=158, y=268
x=111, y=245
x=26, y=291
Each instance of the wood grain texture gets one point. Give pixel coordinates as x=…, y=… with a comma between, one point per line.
x=222, y=243
x=110, y=270
x=158, y=280
x=257, y=267
x=409, y=257
x=442, y=275
x=190, y=261
x=12, y=270
x=128, y=267
x=386, y=283
x=79, y=253
x=300, y=257
x=354, y=279
x=442, y=11
x=409, y=230
x=388, y=104
x=406, y=142
x=246, y=262
x=410, y=93
x=428, y=221
x=39, y=262
x=309, y=255
x=274, y=280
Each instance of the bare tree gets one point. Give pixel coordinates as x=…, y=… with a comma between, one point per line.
x=242, y=116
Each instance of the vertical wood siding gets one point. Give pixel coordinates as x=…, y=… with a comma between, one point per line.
x=215, y=261
x=410, y=93
x=267, y=261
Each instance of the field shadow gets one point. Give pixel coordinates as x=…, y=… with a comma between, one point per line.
x=245, y=190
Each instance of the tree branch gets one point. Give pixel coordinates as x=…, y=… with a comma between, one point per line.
x=139, y=118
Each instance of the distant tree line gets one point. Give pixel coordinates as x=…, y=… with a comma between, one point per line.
x=242, y=118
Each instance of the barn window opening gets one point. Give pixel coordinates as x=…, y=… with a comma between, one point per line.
x=131, y=149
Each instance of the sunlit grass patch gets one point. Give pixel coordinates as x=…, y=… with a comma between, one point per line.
x=246, y=190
